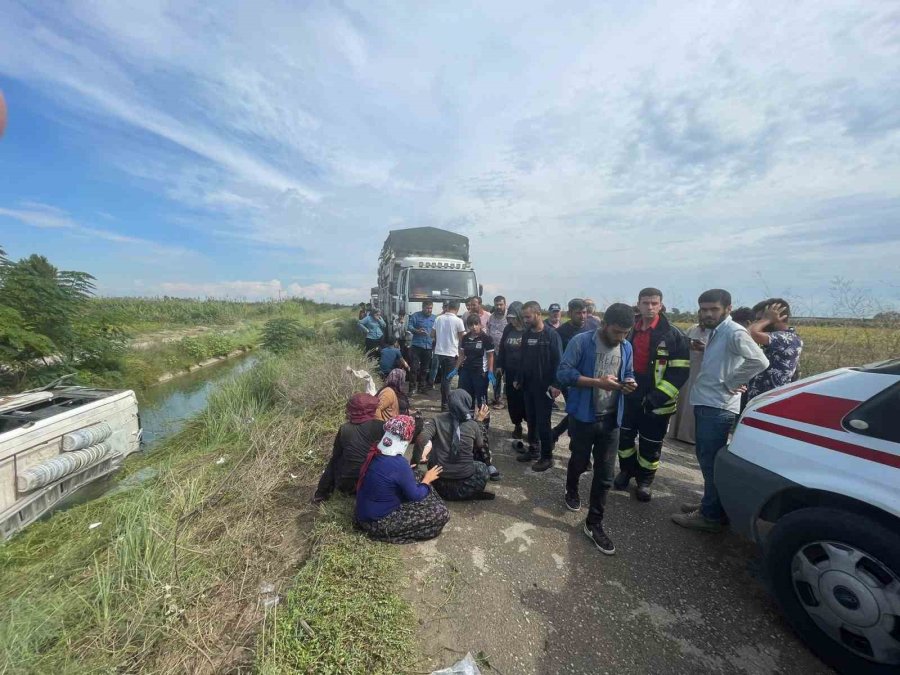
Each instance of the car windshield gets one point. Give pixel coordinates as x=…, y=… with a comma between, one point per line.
x=443, y=284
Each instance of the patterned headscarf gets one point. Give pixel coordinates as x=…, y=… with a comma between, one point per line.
x=398, y=432
x=395, y=380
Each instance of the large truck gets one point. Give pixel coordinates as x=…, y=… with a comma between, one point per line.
x=423, y=263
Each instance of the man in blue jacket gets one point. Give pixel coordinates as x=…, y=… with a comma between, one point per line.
x=420, y=352
x=373, y=326
x=597, y=367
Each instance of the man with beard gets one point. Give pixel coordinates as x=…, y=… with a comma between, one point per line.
x=541, y=354
x=576, y=324
x=730, y=360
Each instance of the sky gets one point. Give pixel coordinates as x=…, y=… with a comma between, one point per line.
x=265, y=149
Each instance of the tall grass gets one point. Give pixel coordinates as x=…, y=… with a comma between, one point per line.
x=168, y=581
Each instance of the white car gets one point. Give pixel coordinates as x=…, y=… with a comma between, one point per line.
x=812, y=473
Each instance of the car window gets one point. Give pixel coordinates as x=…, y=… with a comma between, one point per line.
x=879, y=417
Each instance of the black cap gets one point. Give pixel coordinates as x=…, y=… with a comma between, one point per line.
x=554, y=307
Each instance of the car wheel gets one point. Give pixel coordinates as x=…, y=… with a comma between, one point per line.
x=836, y=575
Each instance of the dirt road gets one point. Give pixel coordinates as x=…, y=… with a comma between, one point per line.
x=517, y=580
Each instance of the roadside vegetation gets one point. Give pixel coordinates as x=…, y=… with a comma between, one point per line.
x=195, y=570
x=51, y=325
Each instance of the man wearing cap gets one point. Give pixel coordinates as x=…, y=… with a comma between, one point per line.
x=554, y=319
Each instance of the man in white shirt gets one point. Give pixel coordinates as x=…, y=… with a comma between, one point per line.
x=447, y=331
x=730, y=360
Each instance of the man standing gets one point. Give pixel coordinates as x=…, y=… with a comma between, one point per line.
x=780, y=343
x=473, y=306
x=373, y=326
x=398, y=331
x=576, y=324
x=495, y=325
x=553, y=316
x=730, y=360
x=421, y=324
x=541, y=354
x=447, y=331
x=597, y=368
x=661, y=366
x=593, y=321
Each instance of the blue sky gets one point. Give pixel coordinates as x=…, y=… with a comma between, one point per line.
x=246, y=149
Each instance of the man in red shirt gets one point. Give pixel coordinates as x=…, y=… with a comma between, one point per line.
x=661, y=367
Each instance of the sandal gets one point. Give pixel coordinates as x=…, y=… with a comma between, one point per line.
x=498, y=405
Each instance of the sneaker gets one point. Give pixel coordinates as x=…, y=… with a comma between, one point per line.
x=520, y=447
x=528, y=456
x=573, y=502
x=621, y=481
x=493, y=473
x=696, y=521
x=690, y=507
x=498, y=405
x=517, y=431
x=542, y=464
x=643, y=493
x=596, y=534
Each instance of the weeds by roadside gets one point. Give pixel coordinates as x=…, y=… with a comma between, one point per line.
x=169, y=581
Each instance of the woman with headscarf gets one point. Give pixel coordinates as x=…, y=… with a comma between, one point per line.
x=392, y=399
x=451, y=440
x=509, y=362
x=351, y=445
x=391, y=506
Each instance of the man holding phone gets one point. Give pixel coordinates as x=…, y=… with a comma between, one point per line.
x=661, y=365
x=597, y=368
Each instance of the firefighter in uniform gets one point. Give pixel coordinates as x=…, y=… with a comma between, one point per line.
x=661, y=367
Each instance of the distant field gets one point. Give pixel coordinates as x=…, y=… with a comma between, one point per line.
x=829, y=347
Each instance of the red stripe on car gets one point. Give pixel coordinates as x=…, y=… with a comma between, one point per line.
x=852, y=449
x=816, y=409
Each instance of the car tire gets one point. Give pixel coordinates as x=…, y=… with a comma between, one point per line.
x=799, y=533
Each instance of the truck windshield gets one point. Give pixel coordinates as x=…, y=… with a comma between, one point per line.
x=425, y=284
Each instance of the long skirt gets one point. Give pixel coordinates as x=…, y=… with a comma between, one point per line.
x=411, y=522
x=465, y=488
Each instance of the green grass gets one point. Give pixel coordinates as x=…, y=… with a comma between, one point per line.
x=164, y=582
x=348, y=597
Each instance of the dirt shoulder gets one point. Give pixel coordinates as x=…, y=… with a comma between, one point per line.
x=517, y=580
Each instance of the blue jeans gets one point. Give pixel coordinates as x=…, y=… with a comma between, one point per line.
x=711, y=435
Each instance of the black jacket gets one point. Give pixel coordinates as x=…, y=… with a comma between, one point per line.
x=509, y=352
x=670, y=354
x=541, y=354
x=568, y=330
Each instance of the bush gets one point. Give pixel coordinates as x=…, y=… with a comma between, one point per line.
x=282, y=335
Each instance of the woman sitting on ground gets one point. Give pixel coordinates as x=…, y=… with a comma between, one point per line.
x=351, y=446
x=392, y=399
x=450, y=441
x=390, y=505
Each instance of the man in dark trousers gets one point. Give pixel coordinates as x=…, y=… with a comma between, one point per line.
x=597, y=369
x=541, y=354
x=661, y=367
x=576, y=324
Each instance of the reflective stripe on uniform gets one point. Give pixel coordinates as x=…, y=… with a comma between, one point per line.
x=668, y=389
x=665, y=410
x=625, y=453
x=650, y=466
x=680, y=363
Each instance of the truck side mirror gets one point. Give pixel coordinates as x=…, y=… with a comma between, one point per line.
x=480, y=290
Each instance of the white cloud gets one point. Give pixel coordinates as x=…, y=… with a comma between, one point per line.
x=590, y=151
x=44, y=216
x=272, y=289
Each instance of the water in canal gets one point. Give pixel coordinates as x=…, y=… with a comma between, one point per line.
x=164, y=409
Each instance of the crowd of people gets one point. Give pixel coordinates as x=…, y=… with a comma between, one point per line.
x=628, y=376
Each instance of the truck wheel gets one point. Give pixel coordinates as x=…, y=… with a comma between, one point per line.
x=836, y=575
